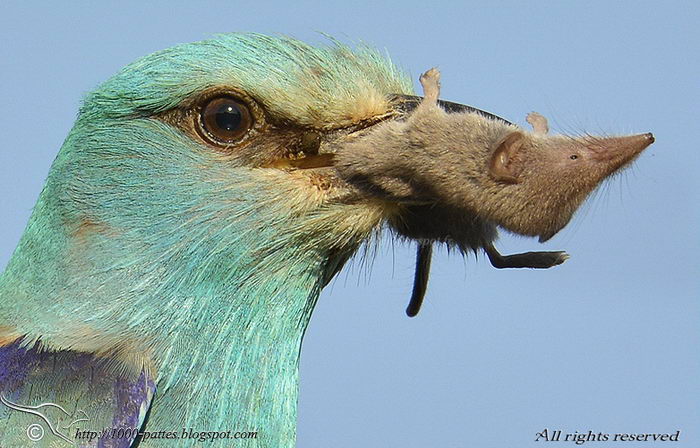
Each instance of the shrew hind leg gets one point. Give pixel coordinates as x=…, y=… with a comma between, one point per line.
x=537, y=260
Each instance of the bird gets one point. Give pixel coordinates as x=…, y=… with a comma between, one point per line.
x=160, y=293
x=186, y=228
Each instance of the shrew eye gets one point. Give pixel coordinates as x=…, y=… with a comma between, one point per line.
x=573, y=157
x=224, y=120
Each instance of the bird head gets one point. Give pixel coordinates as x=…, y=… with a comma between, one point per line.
x=221, y=151
x=215, y=153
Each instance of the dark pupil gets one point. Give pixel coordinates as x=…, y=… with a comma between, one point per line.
x=228, y=117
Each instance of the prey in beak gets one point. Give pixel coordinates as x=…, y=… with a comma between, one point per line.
x=455, y=174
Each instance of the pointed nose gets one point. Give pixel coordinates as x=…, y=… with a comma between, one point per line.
x=645, y=139
x=634, y=144
x=638, y=143
x=617, y=152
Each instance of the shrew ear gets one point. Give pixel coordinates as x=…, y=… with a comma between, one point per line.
x=504, y=166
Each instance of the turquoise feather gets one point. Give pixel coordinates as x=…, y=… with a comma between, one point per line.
x=152, y=252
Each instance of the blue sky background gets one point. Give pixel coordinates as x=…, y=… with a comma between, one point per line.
x=607, y=342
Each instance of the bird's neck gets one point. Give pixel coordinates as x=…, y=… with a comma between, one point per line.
x=232, y=362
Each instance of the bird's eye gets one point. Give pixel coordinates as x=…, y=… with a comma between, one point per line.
x=225, y=120
x=573, y=157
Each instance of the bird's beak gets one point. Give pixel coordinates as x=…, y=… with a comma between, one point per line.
x=401, y=107
x=322, y=156
x=405, y=104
